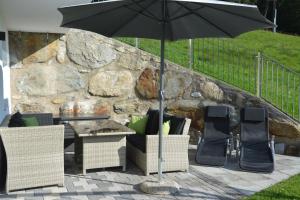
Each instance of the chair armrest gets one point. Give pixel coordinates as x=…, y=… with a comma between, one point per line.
x=186, y=127
x=238, y=144
x=272, y=144
x=174, y=143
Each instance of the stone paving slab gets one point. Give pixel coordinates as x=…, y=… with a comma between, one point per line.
x=202, y=182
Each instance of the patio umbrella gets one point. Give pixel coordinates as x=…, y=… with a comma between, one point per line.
x=164, y=20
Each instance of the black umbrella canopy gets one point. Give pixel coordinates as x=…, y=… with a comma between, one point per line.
x=183, y=18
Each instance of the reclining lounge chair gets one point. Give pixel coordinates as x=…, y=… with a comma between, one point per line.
x=256, y=152
x=212, y=148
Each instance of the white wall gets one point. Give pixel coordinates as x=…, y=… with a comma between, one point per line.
x=35, y=15
x=4, y=74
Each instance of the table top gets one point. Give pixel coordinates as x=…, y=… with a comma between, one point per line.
x=100, y=128
x=81, y=117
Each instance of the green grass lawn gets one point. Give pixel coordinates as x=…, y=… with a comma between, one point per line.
x=286, y=190
x=234, y=61
x=284, y=48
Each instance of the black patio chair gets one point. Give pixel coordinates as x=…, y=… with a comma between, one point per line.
x=213, y=145
x=256, y=148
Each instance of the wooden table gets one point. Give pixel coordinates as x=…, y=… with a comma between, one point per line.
x=100, y=144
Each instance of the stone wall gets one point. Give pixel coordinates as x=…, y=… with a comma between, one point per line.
x=82, y=72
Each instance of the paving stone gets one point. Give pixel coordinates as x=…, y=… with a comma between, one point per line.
x=225, y=183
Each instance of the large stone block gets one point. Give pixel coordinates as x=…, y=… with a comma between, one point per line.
x=176, y=83
x=136, y=61
x=190, y=109
x=147, y=84
x=88, y=49
x=212, y=91
x=111, y=83
x=46, y=80
x=102, y=108
x=283, y=128
x=131, y=107
x=30, y=107
x=32, y=47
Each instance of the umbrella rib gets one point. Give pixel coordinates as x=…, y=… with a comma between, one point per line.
x=185, y=14
x=235, y=14
x=205, y=19
x=98, y=13
x=129, y=20
x=169, y=24
x=151, y=15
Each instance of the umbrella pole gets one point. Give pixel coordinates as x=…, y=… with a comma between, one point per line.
x=161, y=91
x=161, y=102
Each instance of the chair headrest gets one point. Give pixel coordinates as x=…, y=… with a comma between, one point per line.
x=217, y=111
x=255, y=114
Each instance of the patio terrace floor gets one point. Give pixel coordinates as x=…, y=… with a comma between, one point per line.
x=200, y=183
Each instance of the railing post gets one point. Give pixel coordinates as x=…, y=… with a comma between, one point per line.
x=137, y=42
x=191, y=54
x=258, y=75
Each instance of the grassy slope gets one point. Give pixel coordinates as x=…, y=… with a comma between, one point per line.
x=234, y=61
x=281, y=47
x=284, y=48
x=286, y=190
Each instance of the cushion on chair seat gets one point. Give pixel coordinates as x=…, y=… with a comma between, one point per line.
x=256, y=153
x=215, y=148
x=16, y=120
x=152, y=123
x=138, y=141
x=212, y=153
x=30, y=121
x=177, y=125
x=257, y=157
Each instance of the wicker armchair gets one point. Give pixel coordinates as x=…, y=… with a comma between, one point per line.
x=35, y=155
x=175, y=152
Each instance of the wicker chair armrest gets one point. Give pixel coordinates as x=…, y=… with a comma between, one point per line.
x=186, y=127
x=173, y=143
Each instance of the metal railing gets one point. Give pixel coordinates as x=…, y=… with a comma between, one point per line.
x=242, y=67
x=280, y=86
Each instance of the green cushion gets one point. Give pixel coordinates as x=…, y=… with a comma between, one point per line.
x=30, y=121
x=166, y=128
x=138, y=123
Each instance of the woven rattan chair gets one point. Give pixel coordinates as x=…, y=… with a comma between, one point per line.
x=35, y=155
x=175, y=152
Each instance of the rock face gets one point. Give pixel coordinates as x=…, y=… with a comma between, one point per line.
x=212, y=91
x=284, y=129
x=87, y=49
x=176, y=84
x=48, y=80
x=40, y=48
x=82, y=72
x=131, y=107
x=111, y=83
x=190, y=109
x=147, y=84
